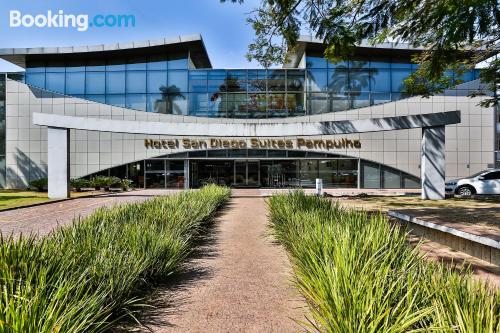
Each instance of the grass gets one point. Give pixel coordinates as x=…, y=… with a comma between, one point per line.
x=452, y=210
x=15, y=198
x=85, y=277
x=359, y=274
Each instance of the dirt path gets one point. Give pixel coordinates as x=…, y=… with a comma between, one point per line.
x=238, y=283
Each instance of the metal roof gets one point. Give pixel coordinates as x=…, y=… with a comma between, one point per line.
x=193, y=43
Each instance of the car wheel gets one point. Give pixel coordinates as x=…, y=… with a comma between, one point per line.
x=466, y=191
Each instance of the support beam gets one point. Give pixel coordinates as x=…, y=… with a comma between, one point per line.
x=58, y=162
x=433, y=163
x=186, y=174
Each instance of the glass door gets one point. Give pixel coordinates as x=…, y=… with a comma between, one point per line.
x=240, y=173
x=246, y=173
x=253, y=173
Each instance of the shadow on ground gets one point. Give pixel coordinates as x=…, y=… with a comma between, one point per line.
x=162, y=299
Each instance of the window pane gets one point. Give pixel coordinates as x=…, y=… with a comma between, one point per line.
x=257, y=105
x=157, y=63
x=371, y=175
x=136, y=82
x=360, y=100
x=156, y=103
x=295, y=80
x=75, y=83
x=96, y=98
x=216, y=81
x=136, y=101
x=36, y=79
x=198, y=81
x=308, y=172
x=216, y=105
x=236, y=80
x=179, y=79
x=115, y=82
x=379, y=98
x=339, y=103
x=156, y=80
x=95, y=83
x=276, y=105
x=178, y=62
x=359, y=80
x=295, y=104
x=177, y=104
x=198, y=104
x=315, y=62
x=410, y=181
x=318, y=103
x=257, y=80
x=276, y=80
x=392, y=178
x=397, y=77
x=55, y=82
x=338, y=80
x=137, y=64
x=381, y=80
x=117, y=100
x=236, y=105
x=317, y=80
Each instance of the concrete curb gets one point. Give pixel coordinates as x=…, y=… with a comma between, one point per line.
x=480, y=247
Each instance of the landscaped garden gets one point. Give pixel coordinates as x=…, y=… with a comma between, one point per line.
x=358, y=273
x=86, y=277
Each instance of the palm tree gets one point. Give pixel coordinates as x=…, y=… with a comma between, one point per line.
x=168, y=96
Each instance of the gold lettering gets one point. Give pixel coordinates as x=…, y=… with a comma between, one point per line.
x=148, y=143
x=289, y=144
x=300, y=142
x=186, y=143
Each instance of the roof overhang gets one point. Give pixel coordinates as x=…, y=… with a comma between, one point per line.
x=192, y=43
x=311, y=45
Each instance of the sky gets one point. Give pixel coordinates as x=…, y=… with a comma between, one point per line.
x=223, y=26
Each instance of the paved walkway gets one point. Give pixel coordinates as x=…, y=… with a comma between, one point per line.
x=44, y=218
x=239, y=281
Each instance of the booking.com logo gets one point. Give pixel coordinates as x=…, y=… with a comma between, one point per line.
x=59, y=19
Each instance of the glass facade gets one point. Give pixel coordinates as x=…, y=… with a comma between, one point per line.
x=358, y=83
x=165, y=84
x=2, y=131
x=261, y=168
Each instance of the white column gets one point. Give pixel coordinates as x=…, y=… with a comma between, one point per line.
x=58, y=162
x=433, y=163
x=186, y=174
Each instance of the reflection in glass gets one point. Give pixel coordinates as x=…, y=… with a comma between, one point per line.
x=257, y=106
x=136, y=101
x=295, y=80
x=156, y=80
x=295, y=104
x=276, y=105
x=115, y=82
x=116, y=100
x=75, y=83
x=55, y=82
x=276, y=80
x=36, y=79
x=317, y=80
x=236, y=105
x=95, y=83
x=178, y=79
x=136, y=82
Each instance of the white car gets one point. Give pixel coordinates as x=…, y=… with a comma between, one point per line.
x=484, y=182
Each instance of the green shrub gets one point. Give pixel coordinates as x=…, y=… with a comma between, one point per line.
x=126, y=184
x=104, y=181
x=84, y=277
x=39, y=184
x=79, y=183
x=359, y=274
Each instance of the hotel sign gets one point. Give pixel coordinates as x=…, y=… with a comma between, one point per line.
x=252, y=143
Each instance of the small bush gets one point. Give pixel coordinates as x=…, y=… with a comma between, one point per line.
x=104, y=181
x=79, y=183
x=39, y=184
x=126, y=184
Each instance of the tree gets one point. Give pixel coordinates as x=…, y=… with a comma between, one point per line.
x=456, y=35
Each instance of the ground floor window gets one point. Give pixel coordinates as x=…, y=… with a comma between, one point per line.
x=261, y=168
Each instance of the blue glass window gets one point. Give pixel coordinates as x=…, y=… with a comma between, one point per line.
x=116, y=100
x=177, y=104
x=115, y=66
x=318, y=103
x=397, y=78
x=338, y=80
x=136, y=64
x=317, y=80
x=198, y=81
x=55, y=82
x=157, y=64
x=156, y=103
x=315, y=62
x=379, y=98
x=75, y=83
x=216, y=81
x=95, y=83
x=136, y=102
x=359, y=100
x=136, y=82
x=257, y=80
x=380, y=64
x=236, y=80
x=198, y=104
x=115, y=82
x=339, y=64
x=359, y=64
x=276, y=80
x=96, y=98
x=295, y=104
x=179, y=63
x=295, y=80
x=178, y=79
x=36, y=79
x=380, y=80
x=156, y=80
x=359, y=79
